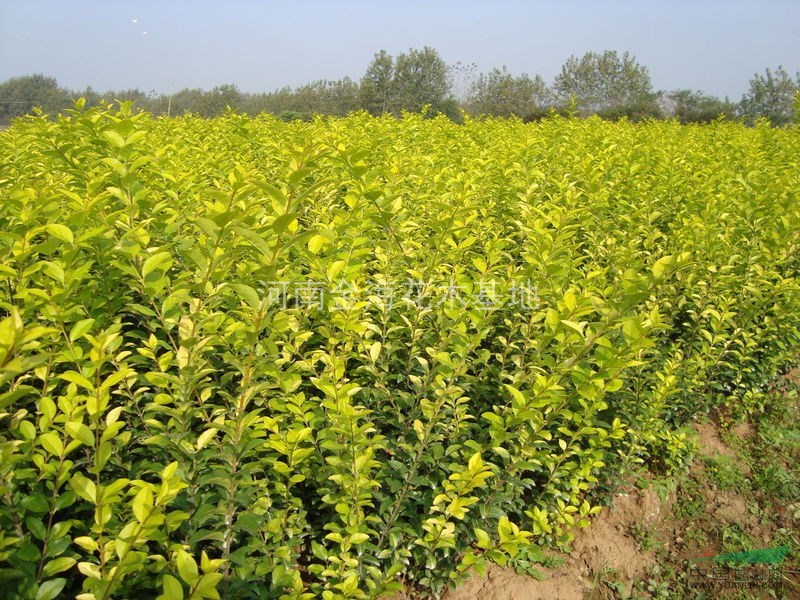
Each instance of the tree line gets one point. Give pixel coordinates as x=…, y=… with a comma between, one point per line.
x=608, y=84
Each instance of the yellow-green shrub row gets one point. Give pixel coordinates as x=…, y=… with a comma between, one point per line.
x=242, y=358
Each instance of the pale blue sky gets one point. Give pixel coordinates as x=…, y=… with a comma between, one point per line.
x=714, y=45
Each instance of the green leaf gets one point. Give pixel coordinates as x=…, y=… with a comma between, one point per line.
x=187, y=567
x=160, y=260
x=80, y=432
x=375, y=351
x=247, y=294
x=173, y=590
x=36, y=503
x=58, y=565
x=62, y=232
x=359, y=538
x=515, y=393
x=80, y=328
x=283, y=221
x=84, y=487
x=142, y=504
x=205, y=437
x=86, y=543
x=90, y=570
x=115, y=138
x=315, y=243
x=27, y=429
x=20, y=392
x=661, y=266
x=207, y=586
x=50, y=590
x=77, y=379
x=256, y=240
x=51, y=442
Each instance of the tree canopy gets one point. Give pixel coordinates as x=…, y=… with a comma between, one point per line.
x=501, y=94
x=605, y=83
x=609, y=84
x=771, y=95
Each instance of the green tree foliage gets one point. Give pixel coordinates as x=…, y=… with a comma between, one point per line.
x=688, y=106
x=771, y=95
x=606, y=84
x=214, y=103
x=377, y=94
x=797, y=106
x=408, y=82
x=20, y=95
x=501, y=94
x=326, y=97
x=420, y=79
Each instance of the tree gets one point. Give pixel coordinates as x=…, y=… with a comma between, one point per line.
x=771, y=95
x=797, y=107
x=461, y=77
x=377, y=86
x=689, y=106
x=500, y=94
x=606, y=84
x=326, y=97
x=214, y=102
x=187, y=101
x=413, y=80
x=420, y=79
x=19, y=95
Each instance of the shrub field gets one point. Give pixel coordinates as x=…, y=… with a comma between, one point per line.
x=243, y=358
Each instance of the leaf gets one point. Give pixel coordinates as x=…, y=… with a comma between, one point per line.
x=515, y=394
x=187, y=567
x=207, y=585
x=173, y=590
x=553, y=318
x=359, y=538
x=28, y=430
x=15, y=394
x=205, y=437
x=87, y=543
x=50, y=590
x=58, y=565
x=80, y=432
x=142, y=504
x=281, y=223
x=77, y=379
x=80, y=328
x=247, y=294
x=90, y=570
x=160, y=260
x=375, y=351
x=62, y=232
x=51, y=442
x=84, y=487
x=315, y=243
x=115, y=164
x=661, y=266
x=115, y=138
x=255, y=240
x=482, y=538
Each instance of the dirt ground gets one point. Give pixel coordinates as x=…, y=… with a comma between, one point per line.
x=603, y=546
x=609, y=558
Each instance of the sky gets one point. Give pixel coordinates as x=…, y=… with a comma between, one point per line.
x=163, y=46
